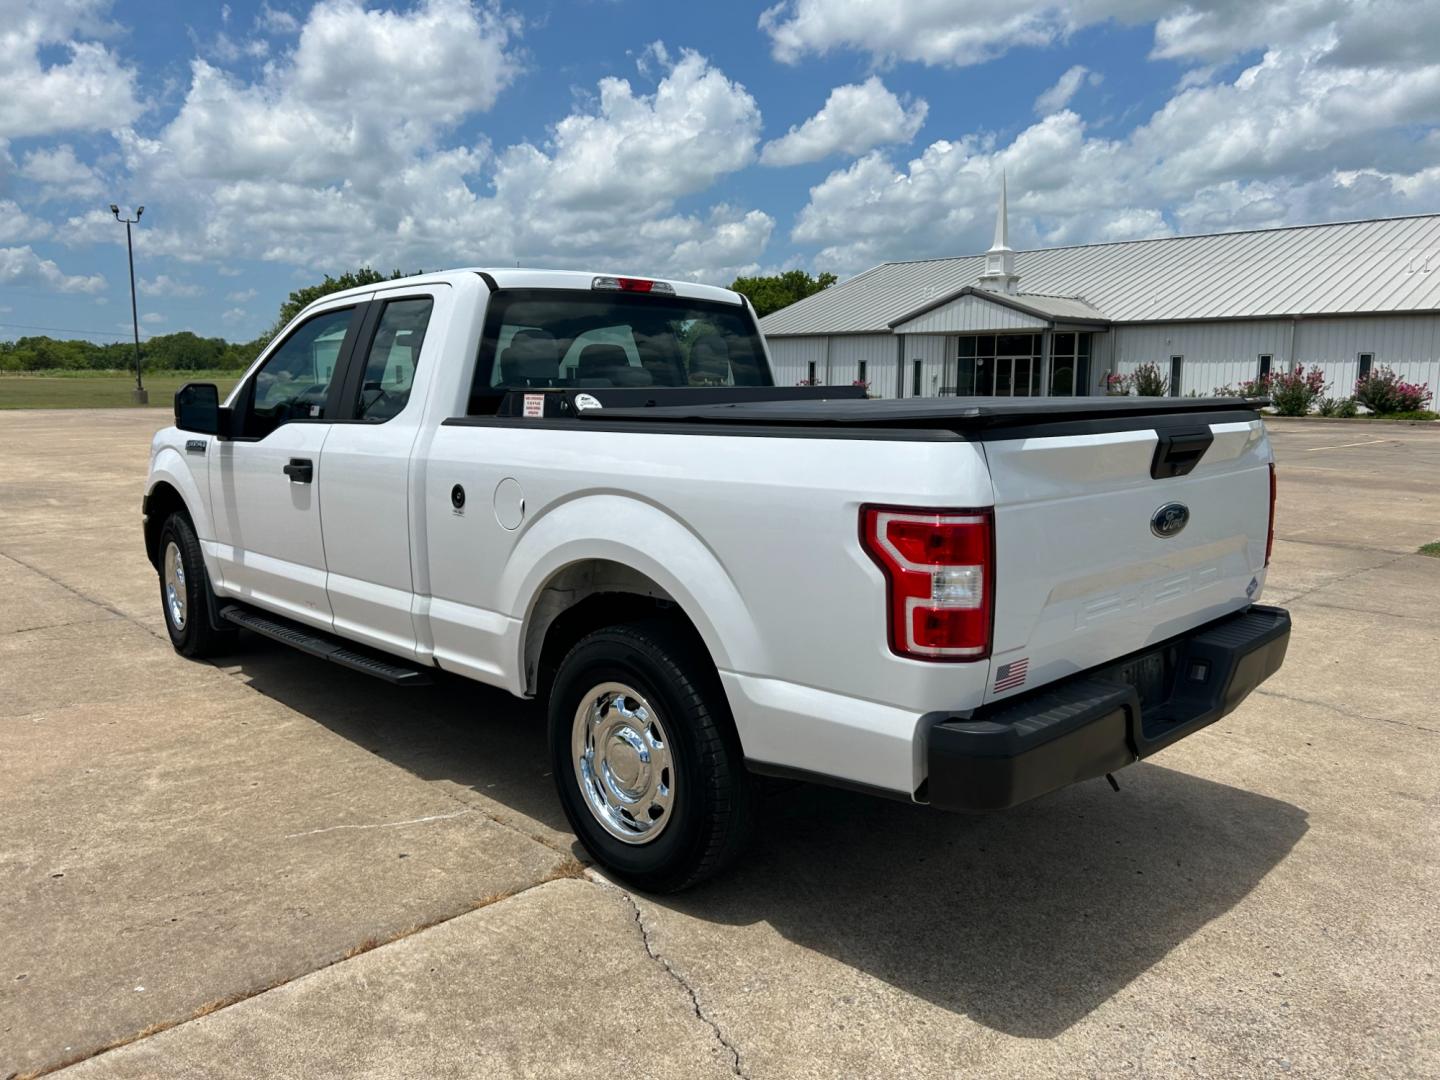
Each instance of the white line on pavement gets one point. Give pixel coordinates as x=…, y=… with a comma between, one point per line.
x=1343, y=445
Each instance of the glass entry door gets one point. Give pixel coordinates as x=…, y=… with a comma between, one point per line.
x=998, y=365
x=1017, y=376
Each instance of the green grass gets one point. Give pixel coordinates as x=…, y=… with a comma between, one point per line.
x=99, y=389
x=1433, y=550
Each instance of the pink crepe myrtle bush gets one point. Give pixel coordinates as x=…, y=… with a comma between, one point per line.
x=1248, y=388
x=1295, y=392
x=1148, y=382
x=1383, y=391
x=1144, y=381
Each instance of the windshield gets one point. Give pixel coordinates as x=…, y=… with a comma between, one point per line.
x=541, y=338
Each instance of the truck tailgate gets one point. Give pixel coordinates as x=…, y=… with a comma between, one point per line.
x=1082, y=577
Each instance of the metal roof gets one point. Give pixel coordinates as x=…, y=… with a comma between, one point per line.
x=1055, y=308
x=1384, y=265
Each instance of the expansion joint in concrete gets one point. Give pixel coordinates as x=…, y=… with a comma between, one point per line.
x=1349, y=714
x=101, y=604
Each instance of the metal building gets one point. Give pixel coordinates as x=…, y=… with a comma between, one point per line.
x=1210, y=311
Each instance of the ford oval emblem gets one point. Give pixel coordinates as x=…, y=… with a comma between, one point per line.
x=1170, y=520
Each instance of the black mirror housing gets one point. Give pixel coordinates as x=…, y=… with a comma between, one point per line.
x=197, y=408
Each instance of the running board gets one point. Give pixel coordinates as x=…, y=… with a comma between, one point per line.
x=317, y=643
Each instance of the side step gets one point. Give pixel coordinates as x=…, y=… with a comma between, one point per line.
x=325, y=646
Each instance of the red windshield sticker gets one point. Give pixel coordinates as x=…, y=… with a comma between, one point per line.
x=534, y=405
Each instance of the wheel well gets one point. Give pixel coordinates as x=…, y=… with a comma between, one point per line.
x=584, y=597
x=162, y=501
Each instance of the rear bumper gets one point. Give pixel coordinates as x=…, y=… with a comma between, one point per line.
x=1094, y=723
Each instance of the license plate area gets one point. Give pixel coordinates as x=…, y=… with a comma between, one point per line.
x=1152, y=675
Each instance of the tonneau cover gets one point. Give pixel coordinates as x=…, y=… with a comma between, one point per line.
x=945, y=412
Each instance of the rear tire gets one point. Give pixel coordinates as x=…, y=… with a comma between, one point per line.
x=185, y=593
x=646, y=759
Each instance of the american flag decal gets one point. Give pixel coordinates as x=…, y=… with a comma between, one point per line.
x=1009, y=676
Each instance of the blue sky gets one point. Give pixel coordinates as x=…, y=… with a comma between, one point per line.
x=273, y=142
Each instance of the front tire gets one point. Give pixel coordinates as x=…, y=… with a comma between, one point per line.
x=185, y=593
x=645, y=756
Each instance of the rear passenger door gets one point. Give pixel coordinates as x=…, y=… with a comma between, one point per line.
x=367, y=463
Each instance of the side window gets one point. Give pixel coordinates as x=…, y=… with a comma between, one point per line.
x=294, y=382
x=390, y=363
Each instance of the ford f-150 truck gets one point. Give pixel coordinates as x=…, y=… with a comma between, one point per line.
x=586, y=489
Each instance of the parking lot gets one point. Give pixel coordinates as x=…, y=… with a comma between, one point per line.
x=277, y=867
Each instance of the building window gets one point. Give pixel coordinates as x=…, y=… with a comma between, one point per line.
x=1367, y=361
x=862, y=371
x=811, y=376
x=1177, y=372
x=1070, y=364
x=917, y=376
x=1265, y=361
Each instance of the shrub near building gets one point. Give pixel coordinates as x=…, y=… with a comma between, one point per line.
x=1293, y=393
x=1385, y=393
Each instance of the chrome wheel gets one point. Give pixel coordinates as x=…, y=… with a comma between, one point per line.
x=622, y=762
x=174, y=586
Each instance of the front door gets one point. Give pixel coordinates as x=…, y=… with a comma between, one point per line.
x=264, y=481
x=366, y=501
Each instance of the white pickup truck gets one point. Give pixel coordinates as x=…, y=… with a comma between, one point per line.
x=586, y=489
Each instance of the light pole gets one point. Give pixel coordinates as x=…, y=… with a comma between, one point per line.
x=139, y=396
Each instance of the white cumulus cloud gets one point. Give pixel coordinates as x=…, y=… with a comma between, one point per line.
x=165, y=285
x=346, y=153
x=88, y=90
x=17, y=225
x=21, y=266
x=963, y=32
x=1298, y=136
x=854, y=119
x=60, y=174
x=1065, y=88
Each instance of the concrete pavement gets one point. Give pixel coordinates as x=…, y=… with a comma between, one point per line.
x=1256, y=899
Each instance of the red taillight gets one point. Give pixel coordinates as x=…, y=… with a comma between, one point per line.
x=1270, y=536
x=635, y=284
x=940, y=578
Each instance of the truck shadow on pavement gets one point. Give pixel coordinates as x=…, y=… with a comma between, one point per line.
x=1024, y=921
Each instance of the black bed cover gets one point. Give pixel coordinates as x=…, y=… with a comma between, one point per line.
x=846, y=407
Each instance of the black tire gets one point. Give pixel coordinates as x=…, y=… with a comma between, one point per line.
x=190, y=629
x=711, y=814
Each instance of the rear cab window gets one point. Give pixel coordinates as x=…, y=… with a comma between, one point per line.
x=553, y=338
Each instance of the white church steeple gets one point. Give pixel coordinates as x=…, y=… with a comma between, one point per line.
x=999, y=275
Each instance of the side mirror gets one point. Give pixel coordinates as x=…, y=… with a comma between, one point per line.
x=197, y=408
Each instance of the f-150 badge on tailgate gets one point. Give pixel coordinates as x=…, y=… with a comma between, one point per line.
x=1169, y=520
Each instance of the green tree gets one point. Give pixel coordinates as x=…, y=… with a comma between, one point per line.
x=781, y=290
x=301, y=298
x=183, y=351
